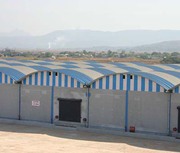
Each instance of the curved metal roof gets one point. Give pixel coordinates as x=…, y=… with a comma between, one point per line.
x=160, y=80
x=83, y=78
x=14, y=74
x=175, y=66
x=103, y=71
x=167, y=75
x=40, y=68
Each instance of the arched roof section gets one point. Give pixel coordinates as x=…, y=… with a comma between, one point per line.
x=81, y=77
x=155, y=78
x=174, y=73
x=174, y=87
x=103, y=71
x=97, y=65
x=133, y=66
x=40, y=68
x=69, y=66
x=159, y=80
x=165, y=67
x=11, y=64
x=175, y=66
x=43, y=63
x=87, y=76
x=12, y=73
x=86, y=72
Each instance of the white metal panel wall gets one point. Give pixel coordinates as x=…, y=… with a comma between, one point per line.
x=52, y=79
x=5, y=79
x=177, y=89
x=127, y=82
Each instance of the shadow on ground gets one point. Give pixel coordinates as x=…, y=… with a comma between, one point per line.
x=88, y=136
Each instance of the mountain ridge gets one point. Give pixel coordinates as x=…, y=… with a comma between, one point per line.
x=72, y=39
x=167, y=46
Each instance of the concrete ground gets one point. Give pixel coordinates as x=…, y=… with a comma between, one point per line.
x=16, y=138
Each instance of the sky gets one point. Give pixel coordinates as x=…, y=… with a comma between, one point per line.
x=39, y=17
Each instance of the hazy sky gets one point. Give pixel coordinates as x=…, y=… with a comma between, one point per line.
x=43, y=16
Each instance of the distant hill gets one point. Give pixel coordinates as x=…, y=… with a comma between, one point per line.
x=88, y=39
x=168, y=46
x=14, y=33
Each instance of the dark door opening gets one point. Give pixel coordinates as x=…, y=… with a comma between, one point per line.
x=178, y=119
x=70, y=110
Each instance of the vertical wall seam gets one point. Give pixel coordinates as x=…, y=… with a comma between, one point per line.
x=52, y=104
x=88, y=104
x=19, y=115
x=169, y=116
x=126, y=112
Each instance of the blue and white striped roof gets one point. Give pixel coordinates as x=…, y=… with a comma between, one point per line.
x=86, y=72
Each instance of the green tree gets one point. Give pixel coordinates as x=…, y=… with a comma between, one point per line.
x=48, y=54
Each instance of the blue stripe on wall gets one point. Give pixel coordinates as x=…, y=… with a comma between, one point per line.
x=177, y=90
x=36, y=78
x=100, y=83
x=42, y=78
x=78, y=84
x=121, y=81
x=11, y=81
x=0, y=77
x=30, y=80
x=126, y=111
x=24, y=81
x=72, y=82
x=107, y=82
x=6, y=78
x=52, y=104
x=157, y=88
x=94, y=85
x=66, y=81
x=135, y=82
x=142, y=84
x=128, y=82
x=114, y=82
x=150, y=85
x=60, y=79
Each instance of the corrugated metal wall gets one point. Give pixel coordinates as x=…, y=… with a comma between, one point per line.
x=46, y=78
x=176, y=90
x=127, y=82
x=111, y=82
x=5, y=79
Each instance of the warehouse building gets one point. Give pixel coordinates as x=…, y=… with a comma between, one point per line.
x=114, y=96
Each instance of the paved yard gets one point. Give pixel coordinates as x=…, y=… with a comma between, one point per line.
x=32, y=139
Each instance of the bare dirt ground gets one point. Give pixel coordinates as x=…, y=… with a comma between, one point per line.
x=33, y=139
x=106, y=60
x=101, y=60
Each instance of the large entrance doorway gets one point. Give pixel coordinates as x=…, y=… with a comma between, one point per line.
x=70, y=110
